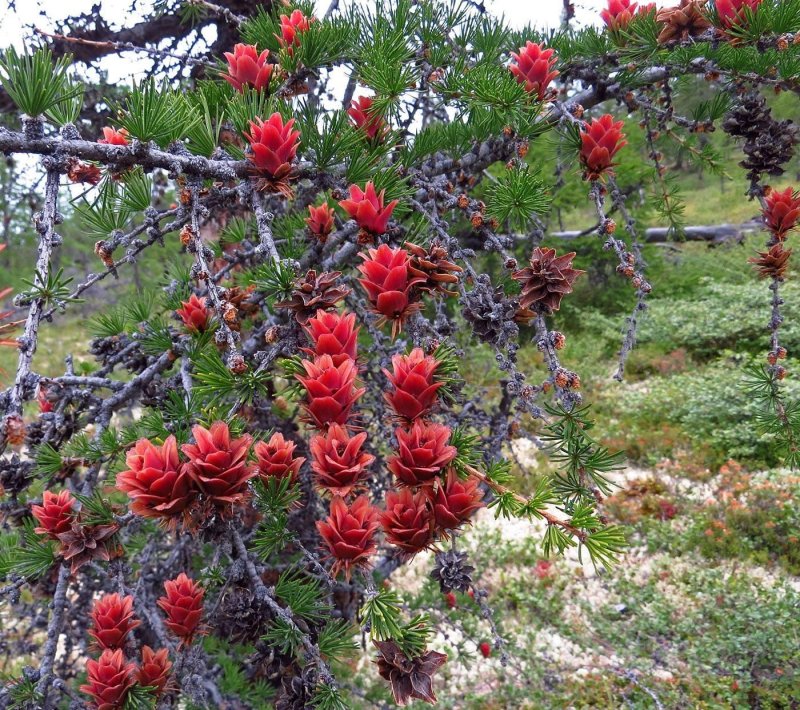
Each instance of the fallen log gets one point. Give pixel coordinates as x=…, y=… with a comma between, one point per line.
x=715, y=233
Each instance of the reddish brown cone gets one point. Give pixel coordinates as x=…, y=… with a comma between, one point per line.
x=546, y=280
x=410, y=678
x=773, y=263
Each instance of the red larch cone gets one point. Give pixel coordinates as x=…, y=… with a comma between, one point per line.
x=183, y=605
x=415, y=388
x=109, y=679
x=275, y=458
x=154, y=669
x=246, y=67
x=330, y=390
x=782, y=212
x=333, y=334
x=422, y=453
x=112, y=621
x=348, y=533
x=533, y=67
x=56, y=513
x=367, y=208
x=338, y=461
x=407, y=520
x=456, y=501
x=601, y=140
x=195, y=314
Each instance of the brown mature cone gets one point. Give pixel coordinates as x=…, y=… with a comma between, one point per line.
x=314, y=292
x=83, y=543
x=772, y=263
x=546, y=280
x=409, y=677
x=432, y=265
x=686, y=20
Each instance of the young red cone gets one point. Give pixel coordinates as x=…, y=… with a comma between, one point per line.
x=338, y=462
x=415, y=389
x=56, y=513
x=388, y=282
x=246, y=67
x=600, y=142
x=349, y=533
x=183, y=605
x=408, y=520
x=533, y=67
x=273, y=147
x=108, y=680
x=195, y=314
x=114, y=137
x=486, y=649
x=276, y=459
x=218, y=464
x=422, y=453
x=112, y=621
x=291, y=27
x=320, y=221
x=156, y=481
x=333, y=334
x=366, y=119
x=619, y=13
x=732, y=13
x=154, y=669
x=331, y=390
x=782, y=212
x=456, y=501
x=367, y=209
